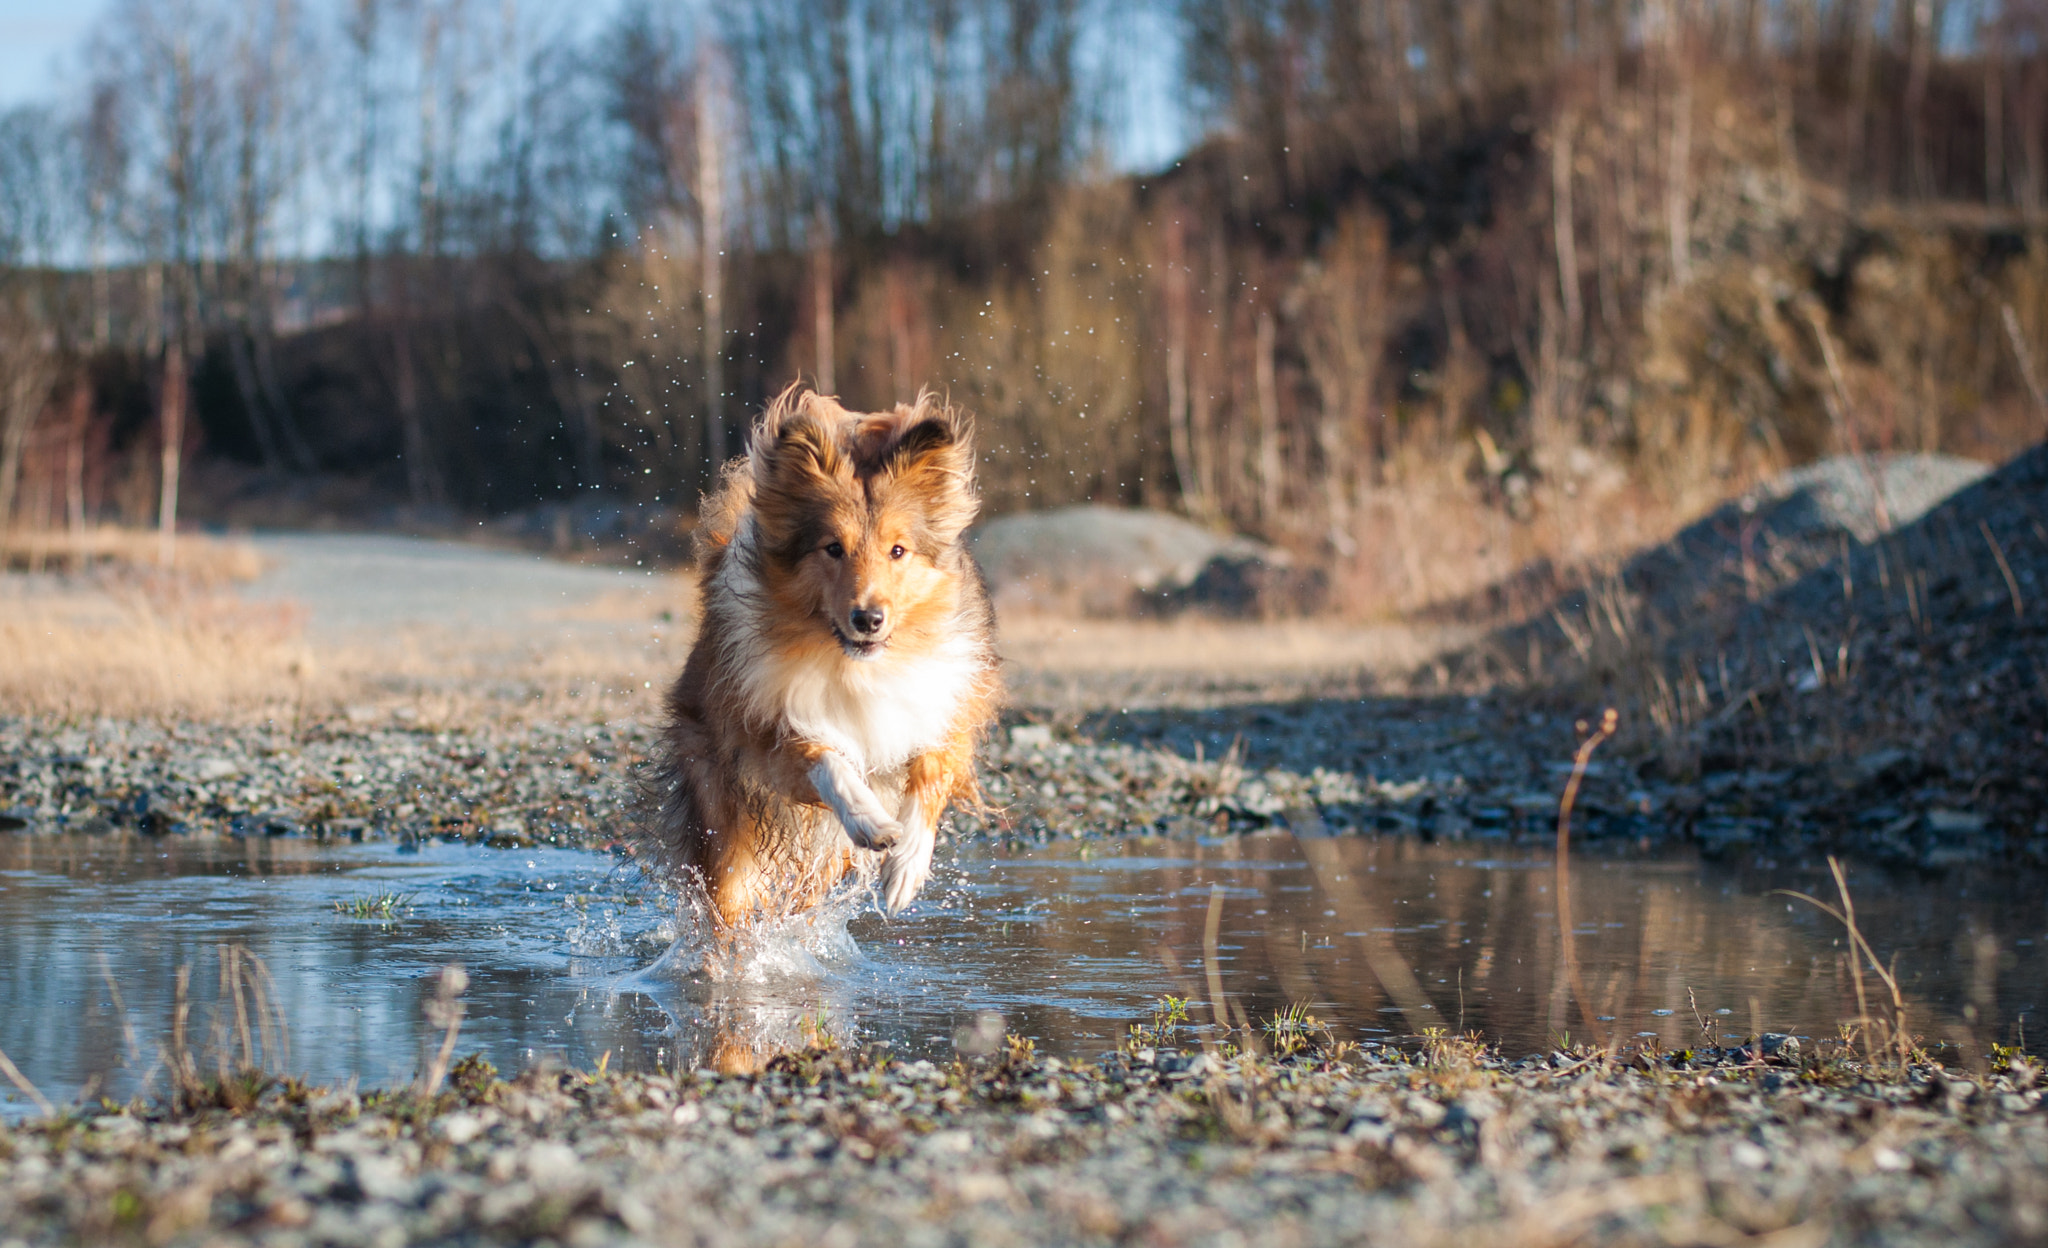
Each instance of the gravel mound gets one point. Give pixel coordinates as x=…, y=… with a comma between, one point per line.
x=1864, y=496
x=1909, y=675
x=1739, y=553
x=1099, y=560
x=1889, y=697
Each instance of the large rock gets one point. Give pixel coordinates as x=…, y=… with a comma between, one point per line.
x=1863, y=496
x=1106, y=561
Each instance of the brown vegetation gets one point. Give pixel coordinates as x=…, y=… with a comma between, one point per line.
x=1444, y=290
x=151, y=644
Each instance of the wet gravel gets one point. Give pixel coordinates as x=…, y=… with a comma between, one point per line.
x=504, y=779
x=1151, y=1145
x=1464, y=769
x=1482, y=769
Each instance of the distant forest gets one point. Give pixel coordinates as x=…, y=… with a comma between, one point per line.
x=443, y=259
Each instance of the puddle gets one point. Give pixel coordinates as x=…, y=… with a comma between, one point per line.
x=569, y=954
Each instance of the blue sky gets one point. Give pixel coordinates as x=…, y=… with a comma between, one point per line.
x=40, y=38
x=36, y=36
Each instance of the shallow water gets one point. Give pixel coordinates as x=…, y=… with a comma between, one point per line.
x=571, y=956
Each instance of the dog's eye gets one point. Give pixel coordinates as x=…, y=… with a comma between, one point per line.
x=835, y=550
x=897, y=552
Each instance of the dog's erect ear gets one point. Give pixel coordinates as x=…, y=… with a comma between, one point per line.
x=932, y=462
x=797, y=465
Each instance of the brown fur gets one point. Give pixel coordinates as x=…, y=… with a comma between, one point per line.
x=831, y=517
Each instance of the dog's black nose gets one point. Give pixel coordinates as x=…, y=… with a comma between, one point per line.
x=867, y=621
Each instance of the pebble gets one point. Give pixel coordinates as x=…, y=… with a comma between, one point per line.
x=844, y=1146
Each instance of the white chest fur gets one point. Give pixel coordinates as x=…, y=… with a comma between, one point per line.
x=878, y=712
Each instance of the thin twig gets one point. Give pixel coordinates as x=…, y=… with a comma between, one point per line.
x=1566, y=937
x=2025, y=358
x=19, y=1080
x=1211, y=929
x=2012, y=586
x=120, y=1011
x=445, y=1010
x=1846, y=916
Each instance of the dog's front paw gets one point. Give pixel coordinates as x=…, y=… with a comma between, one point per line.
x=871, y=830
x=859, y=811
x=908, y=866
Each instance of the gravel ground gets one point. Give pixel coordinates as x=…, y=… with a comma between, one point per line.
x=1148, y=1145
x=1451, y=1146
x=1818, y=717
x=503, y=775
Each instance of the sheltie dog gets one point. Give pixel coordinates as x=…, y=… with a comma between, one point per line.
x=844, y=668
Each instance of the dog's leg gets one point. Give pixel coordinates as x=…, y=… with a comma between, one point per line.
x=909, y=864
x=859, y=810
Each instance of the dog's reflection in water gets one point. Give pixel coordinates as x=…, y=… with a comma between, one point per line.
x=738, y=998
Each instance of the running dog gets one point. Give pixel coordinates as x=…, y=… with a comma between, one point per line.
x=844, y=667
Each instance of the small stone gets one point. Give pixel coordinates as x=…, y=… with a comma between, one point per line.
x=1031, y=736
x=1944, y=822
x=460, y=1128
x=213, y=768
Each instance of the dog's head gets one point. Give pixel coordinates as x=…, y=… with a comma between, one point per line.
x=860, y=516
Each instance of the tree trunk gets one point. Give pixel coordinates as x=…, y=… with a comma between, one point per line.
x=1402, y=29
x=1994, y=113
x=74, y=473
x=1268, y=388
x=1563, y=228
x=171, y=409
x=711, y=205
x=1179, y=434
x=297, y=452
x=1919, y=54
x=821, y=300
x=422, y=479
x=252, y=401
x=26, y=374
x=897, y=295
x=1677, y=180
x=1202, y=403
x=1862, y=38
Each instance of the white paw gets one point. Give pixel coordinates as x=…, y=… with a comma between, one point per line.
x=859, y=811
x=876, y=831
x=909, y=864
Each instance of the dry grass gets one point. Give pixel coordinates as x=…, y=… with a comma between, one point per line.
x=126, y=639
x=133, y=650
x=1448, y=538
x=124, y=635
x=1081, y=646
x=197, y=561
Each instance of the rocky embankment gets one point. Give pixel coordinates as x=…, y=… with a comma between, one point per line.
x=1438, y=768
x=1784, y=686
x=1149, y=1145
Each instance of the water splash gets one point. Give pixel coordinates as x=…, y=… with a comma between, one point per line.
x=735, y=998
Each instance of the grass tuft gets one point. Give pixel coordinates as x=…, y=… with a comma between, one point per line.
x=384, y=906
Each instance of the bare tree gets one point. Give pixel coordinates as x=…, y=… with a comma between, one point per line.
x=28, y=371
x=1180, y=435
x=822, y=300
x=711, y=191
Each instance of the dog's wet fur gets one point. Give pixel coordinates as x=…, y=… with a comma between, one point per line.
x=844, y=668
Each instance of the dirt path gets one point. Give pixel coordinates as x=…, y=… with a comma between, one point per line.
x=359, y=588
